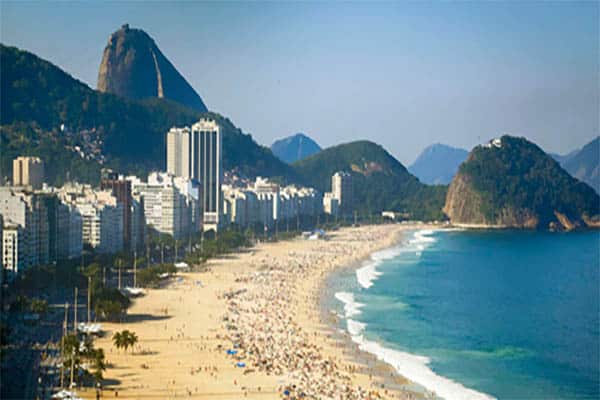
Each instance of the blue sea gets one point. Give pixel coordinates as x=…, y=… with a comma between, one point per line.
x=482, y=314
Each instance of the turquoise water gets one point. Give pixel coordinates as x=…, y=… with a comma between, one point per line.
x=509, y=315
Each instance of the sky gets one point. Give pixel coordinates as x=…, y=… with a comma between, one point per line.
x=402, y=74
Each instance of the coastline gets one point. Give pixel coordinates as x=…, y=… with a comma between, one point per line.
x=409, y=372
x=264, y=304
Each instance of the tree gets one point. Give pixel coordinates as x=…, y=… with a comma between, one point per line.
x=125, y=339
x=118, y=340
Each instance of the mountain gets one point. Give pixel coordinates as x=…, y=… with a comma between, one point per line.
x=584, y=164
x=295, y=148
x=438, y=164
x=134, y=67
x=511, y=182
x=380, y=182
x=128, y=135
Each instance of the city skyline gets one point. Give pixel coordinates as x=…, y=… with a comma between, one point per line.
x=422, y=73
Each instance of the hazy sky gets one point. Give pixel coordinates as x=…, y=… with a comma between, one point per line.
x=404, y=75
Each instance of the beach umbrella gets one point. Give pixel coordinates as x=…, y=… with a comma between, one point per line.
x=241, y=364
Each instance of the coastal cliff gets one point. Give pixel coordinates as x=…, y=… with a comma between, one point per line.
x=512, y=183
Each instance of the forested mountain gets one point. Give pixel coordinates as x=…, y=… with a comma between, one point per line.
x=46, y=112
x=295, y=148
x=134, y=67
x=380, y=181
x=438, y=164
x=511, y=182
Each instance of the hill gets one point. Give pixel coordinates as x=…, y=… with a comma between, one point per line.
x=438, y=164
x=584, y=164
x=295, y=148
x=511, y=182
x=380, y=181
x=39, y=98
x=134, y=67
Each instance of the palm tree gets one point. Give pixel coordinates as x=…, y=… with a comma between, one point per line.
x=118, y=340
x=133, y=339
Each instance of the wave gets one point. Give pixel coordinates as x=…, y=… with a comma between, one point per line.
x=351, y=307
x=368, y=273
x=414, y=367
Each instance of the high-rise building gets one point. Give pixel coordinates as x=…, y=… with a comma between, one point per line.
x=179, y=152
x=341, y=187
x=207, y=168
x=121, y=189
x=170, y=205
x=330, y=204
x=29, y=212
x=14, y=247
x=28, y=171
x=102, y=218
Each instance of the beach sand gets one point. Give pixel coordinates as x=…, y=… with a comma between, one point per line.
x=266, y=300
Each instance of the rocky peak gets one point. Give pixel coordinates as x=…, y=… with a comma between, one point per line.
x=134, y=67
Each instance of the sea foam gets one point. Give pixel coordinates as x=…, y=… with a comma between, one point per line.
x=368, y=273
x=413, y=367
x=351, y=307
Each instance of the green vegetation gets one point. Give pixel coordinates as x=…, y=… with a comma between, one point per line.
x=150, y=276
x=37, y=97
x=75, y=355
x=380, y=181
x=109, y=303
x=519, y=175
x=125, y=339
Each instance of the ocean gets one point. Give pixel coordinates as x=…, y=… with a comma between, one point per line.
x=481, y=314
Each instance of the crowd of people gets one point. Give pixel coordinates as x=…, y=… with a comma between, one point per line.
x=264, y=331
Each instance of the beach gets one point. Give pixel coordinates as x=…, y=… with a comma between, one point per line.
x=251, y=326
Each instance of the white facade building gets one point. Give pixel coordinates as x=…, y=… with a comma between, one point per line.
x=171, y=204
x=179, y=152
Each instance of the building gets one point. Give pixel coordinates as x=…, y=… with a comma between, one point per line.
x=14, y=246
x=341, y=187
x=138, y=222
x=121, y=189
x=170, y=204
x=196, y=154
x=178, y=152
x=265, y=203
x=101, y=217
x=29, y=172
x=330, y=204
x=25, y=240
x=102, y=227
x=207, y=168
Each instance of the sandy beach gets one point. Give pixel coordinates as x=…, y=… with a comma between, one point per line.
x=250, y=326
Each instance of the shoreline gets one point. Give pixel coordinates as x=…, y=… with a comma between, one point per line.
x=262, y=304
x=413, y=368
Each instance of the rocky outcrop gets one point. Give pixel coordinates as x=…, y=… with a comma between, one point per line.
x=511, y=183
x=133, y=67
x=467, y=207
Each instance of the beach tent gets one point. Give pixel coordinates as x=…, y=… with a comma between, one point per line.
x=231, y=352
x=240, y=365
